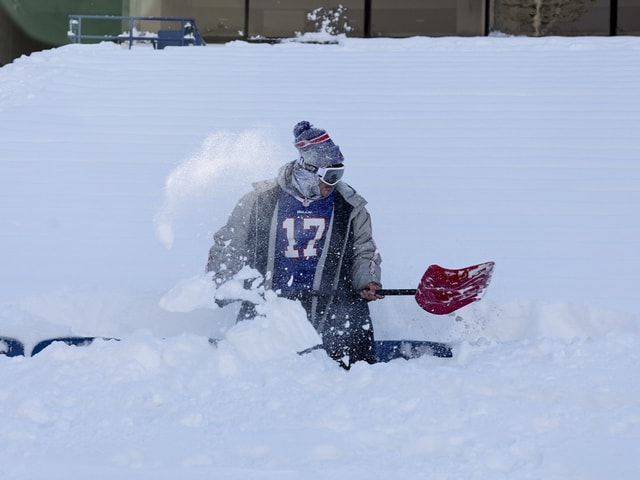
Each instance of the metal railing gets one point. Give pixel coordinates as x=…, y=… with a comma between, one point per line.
x=187, y=34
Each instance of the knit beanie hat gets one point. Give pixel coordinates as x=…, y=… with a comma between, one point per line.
x=315, y=146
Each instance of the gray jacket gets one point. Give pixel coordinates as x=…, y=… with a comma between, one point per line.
x=348, y=264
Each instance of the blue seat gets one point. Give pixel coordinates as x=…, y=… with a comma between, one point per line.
x=172, y=38
x=387, y=350
x=11, y=347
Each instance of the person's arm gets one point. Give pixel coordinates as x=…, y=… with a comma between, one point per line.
x=228, y=253
x=366, y=274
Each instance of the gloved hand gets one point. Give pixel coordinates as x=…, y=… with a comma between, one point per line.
x=369, y=292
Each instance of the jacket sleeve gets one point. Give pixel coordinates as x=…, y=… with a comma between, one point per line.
x=367, y=260
x=228, y=253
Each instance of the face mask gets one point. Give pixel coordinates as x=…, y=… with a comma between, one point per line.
x=306, y=183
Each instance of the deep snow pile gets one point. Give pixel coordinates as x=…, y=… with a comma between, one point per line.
x=117, y=165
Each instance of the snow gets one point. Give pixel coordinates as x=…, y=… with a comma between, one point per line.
x=117, y=165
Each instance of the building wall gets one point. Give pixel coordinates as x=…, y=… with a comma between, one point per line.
x=29, y=25
x=225, y=21
x=628, y=18
x=285, y=18
x=402, y=18
x=596, y=21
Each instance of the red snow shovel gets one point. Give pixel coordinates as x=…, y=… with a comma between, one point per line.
x=444, y=290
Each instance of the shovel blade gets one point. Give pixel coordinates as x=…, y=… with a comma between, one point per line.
x=443, y=290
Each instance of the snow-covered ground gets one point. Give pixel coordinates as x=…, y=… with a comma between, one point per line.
x=116, y=166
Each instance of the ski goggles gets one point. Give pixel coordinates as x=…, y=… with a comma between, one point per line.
x=329, y=175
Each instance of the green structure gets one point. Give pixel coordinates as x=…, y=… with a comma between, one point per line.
x=47, y=21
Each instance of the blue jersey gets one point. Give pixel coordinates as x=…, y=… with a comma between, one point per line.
x=300, y=238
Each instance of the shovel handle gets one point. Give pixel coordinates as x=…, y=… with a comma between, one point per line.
x=396, y=291
x=383, y=291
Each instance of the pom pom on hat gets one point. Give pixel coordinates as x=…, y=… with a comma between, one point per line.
x=301, y=127
x=315, y=145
